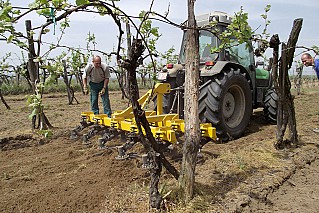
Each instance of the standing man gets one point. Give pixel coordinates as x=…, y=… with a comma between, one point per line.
x=98, y=75
x=307, y=60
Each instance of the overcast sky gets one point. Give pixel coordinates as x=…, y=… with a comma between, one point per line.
x=281, y=15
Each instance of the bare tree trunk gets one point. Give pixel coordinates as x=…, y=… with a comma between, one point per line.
x=152, y=146
x=32, y=68
x=121, y=75
x=282, y=121
x=286, y=108
x=122, y=78
x=79, y=80
x=17, y=79
x=298, y=79
x=291, y=46
x=44, y=75
x=4, y=101
x=125, y=75
x=192, y=130
x=155, y=171
x=46, y=120
x=67, y=82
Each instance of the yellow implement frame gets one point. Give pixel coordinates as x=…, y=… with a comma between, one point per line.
x=163, y=126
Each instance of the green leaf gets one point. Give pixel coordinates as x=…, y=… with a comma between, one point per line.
x=9, y=40
x=34, y=112
x=81, y=2
x=46, y=133
x=43, y=1
x=267, y=8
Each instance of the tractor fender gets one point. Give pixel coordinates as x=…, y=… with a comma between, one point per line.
x=222, y=65
x=173, y=71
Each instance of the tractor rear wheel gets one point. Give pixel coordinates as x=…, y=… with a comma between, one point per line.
x=226, y=102
x=271, y=106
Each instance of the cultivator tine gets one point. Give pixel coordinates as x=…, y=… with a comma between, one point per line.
x=101, y=143
x=91, y=133
x=75, y=133
x=109, y=134
x=121, y=153
x=133, y=139
x=85, y=139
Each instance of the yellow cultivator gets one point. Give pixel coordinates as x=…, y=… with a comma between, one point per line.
x=165, y=127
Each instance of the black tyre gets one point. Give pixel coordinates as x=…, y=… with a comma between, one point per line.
x=226, y=102
x=271, y=106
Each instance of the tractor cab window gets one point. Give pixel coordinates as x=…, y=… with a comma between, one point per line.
x=206, y=42
x=241, y=54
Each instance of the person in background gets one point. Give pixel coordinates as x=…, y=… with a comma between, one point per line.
x=97, y=74
x=308, y=60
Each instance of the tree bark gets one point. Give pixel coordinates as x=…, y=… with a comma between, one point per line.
x=151, y=146
x=192, y=130
x=298, y=79
x=66, y=81
x=291, y=46
x=286, y=109
x=124, y=75
x=282, y=113
x=155, y=172
x=32, y=68
x=130, y=65
x=4, y=101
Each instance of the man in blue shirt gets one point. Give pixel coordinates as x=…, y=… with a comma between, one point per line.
x=307, y=60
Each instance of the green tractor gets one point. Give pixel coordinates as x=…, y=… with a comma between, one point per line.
x=231, y=84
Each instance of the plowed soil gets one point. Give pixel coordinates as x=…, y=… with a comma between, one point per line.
x=58, y=174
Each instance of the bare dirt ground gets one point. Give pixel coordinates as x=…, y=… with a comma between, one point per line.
x=63, y=175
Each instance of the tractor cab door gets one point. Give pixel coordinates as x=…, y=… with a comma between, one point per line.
x=243, y=54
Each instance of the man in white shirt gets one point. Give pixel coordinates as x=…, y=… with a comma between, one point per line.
x=97, y=74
